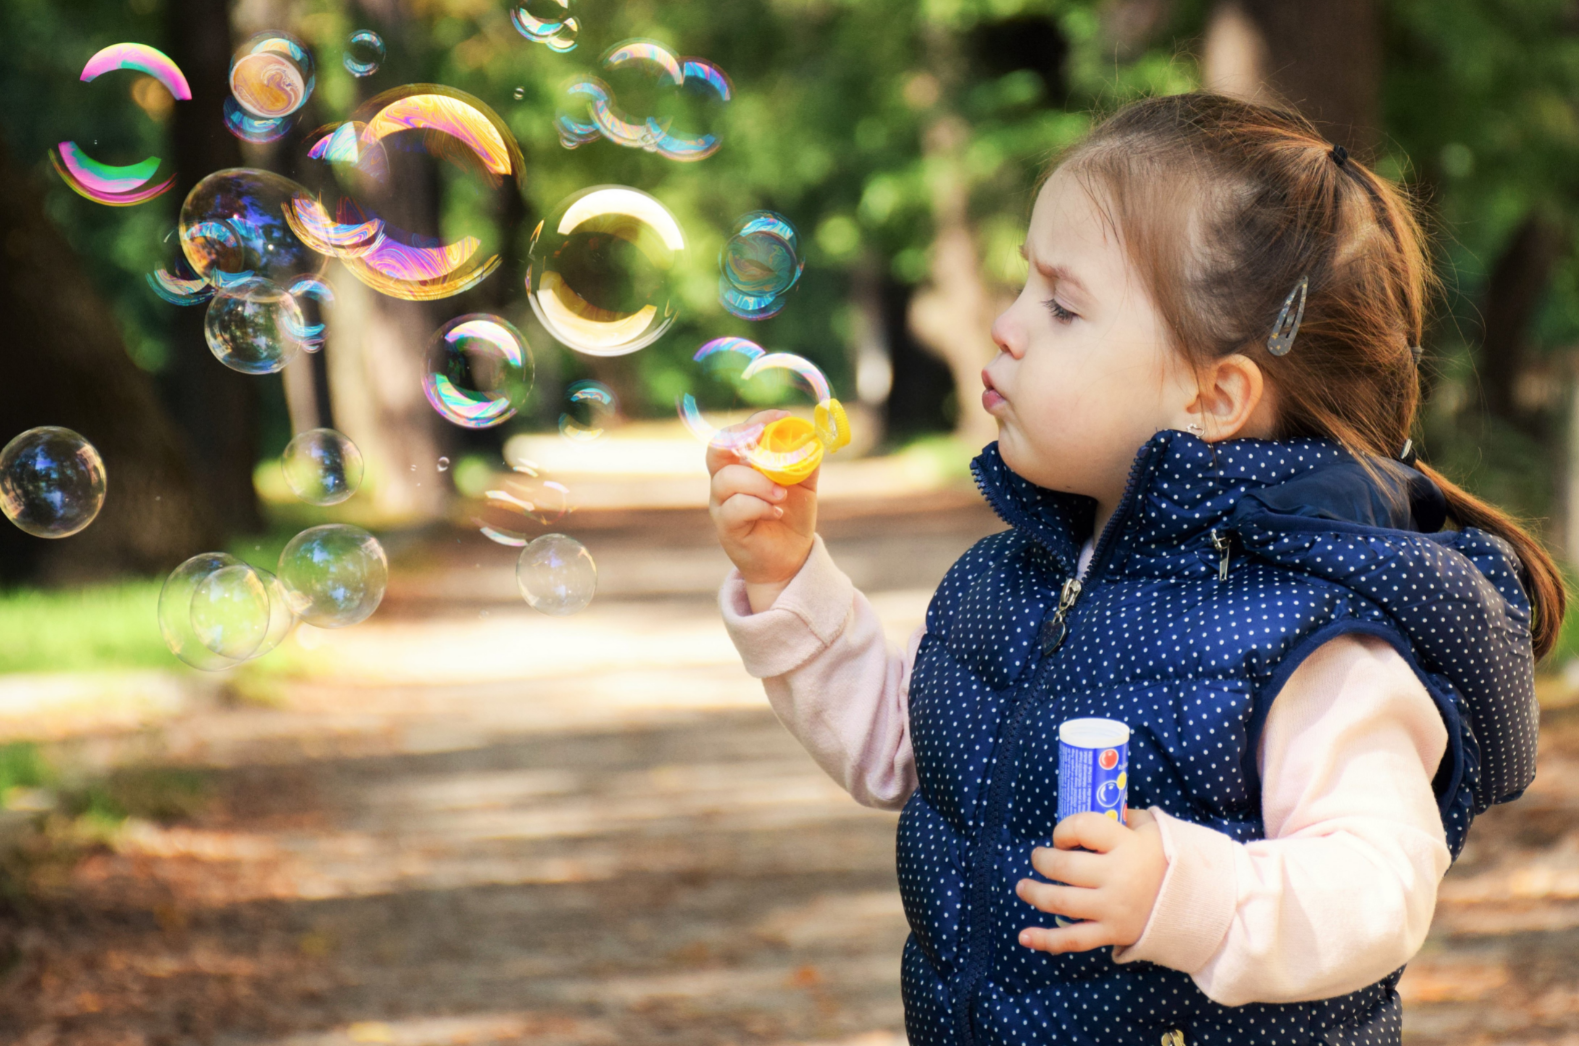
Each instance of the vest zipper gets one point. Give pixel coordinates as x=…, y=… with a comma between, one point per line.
x=983, y=862
x=1222, y=543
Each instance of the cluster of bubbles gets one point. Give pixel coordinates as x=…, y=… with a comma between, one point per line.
x=554, y=572
x=758, y=265
x=364, y=53
x=51, y=482
x=590, y=110
x=271, y=78
x=128, y=184
x=547, y=22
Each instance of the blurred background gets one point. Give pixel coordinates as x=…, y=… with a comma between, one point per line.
x=462, y=821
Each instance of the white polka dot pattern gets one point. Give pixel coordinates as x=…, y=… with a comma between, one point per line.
x=1191, y=663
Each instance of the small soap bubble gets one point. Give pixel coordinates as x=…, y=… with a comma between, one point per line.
x=519, y=93
x=313, y=296
x=601, y=268
x=334, y=575
x=547, y=22
x=233, y=228
x=556, y=575
x=252, y=327
x=255, y=129
x=364, y=53
x=479, y=371
x=175, y=610
x=281, y=616
x=175, y=280
x=758, y=265
x=590, y=407
x=271, y=75
x=444, y=464
x=322, y=467
x=520, y=502
x=230, y=611
x=51, y=482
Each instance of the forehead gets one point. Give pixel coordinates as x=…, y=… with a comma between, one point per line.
x=1068, y=226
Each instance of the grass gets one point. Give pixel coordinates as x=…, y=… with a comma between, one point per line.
x=82, y=629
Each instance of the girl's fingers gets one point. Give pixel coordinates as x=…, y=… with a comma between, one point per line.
x=1080, y=937
x=742, y=479
x=1090, y=831
x=742, y=509
x=1073, y=867
x=1071, y=901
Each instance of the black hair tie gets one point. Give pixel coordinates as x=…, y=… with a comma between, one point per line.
x=1339, y=154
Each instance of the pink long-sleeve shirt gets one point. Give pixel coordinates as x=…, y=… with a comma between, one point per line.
x=1339, y=893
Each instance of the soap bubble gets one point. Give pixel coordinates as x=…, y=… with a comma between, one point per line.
x=519, y=502
x=255, y=129
x=175, y=611
x=547, y=22
x=51, y=482
x=591, y=408
x=252, y=327
x=417, y=132
x=600, y=270
x=518, y=94
x=364, y=53
x=233, y=228
x=312, y=294
x=723, y=360
x=479, y=371
x=322, y=466
x=281, y=617
x=693, y=84
x=334, y=575
x=230, y=611
x=129, y=184
x=556, y=574
x=271, y=75
x=175, y=281
x=444, y=464
x=758, y=265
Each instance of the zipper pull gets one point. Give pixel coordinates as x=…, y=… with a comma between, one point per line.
x=1173, y=1037
x=1053, y=629
x=1222, y=543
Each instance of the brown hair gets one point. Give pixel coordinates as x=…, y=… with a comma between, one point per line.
x=1257, y=198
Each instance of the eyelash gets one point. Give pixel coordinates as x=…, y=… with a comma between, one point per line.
x=1061, y=314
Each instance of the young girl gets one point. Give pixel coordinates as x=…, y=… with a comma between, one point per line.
x=1323, y=684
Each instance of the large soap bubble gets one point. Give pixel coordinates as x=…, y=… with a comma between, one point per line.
x=230, y=611
x=601, y=268
x=233, y=228
x=366, y=214
x=271, y=75
x=334, y=575
x=128, y=184
x=479, y=371
x=556, y=574
x=322, y=467
x=758, y=265
x=51, y=482
x=254, y=327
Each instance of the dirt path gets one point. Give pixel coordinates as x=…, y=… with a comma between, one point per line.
x=488, y=827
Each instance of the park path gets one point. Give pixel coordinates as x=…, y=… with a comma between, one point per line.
x=482, y=826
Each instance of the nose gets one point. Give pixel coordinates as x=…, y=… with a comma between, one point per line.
x=1007, y=334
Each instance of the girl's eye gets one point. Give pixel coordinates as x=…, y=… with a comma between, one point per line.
x=1061, y=314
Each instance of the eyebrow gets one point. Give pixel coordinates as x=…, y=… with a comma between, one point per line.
x=1060, y=273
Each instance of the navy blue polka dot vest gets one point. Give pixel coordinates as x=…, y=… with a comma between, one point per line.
x=1189, y=652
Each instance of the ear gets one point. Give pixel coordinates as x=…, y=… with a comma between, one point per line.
x=1233, y=400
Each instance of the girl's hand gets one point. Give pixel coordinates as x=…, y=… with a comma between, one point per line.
x=1113, y=889
x=766, y=528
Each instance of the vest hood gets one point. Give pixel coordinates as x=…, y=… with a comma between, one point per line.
x=1308, y=506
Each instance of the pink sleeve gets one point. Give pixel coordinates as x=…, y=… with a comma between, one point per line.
x=1342, y=890
x=831, y=677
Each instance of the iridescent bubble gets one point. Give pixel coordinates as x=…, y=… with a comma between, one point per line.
x=334, y=575
x=322, y=467
x=364, y=53
x=230, y=611
x=350, y=217
x=592, y=102
x=518, y=94
x=479, y=371
x=51, y=482
x=758, y=265
x=175, y=611
x=723, y=360
x=556, y=574
x=255, y=129
x=520, y=502
x=233, y=228
x=128, y=184
x=600, y=270
x=272, y=75
x=175, y=281
x=547, y=22
x=444, y=464
x=590, y=409
x=251, y=327
x=312, y=294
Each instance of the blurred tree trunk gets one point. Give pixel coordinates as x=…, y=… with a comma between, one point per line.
x=1514, y=290
x=216, y=407
x=66, y=365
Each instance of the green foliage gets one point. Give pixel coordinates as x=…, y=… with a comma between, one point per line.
x=22, y=766
x=81, y=629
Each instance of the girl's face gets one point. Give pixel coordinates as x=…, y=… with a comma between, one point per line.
x=1084, y=374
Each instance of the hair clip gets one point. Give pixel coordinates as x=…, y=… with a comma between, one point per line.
x=1408, y=455
x=1415, y=351
x=1339, y=154
x=1282, y=340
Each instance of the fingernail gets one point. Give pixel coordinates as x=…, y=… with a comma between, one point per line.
x=779, y=492
x=778, y=513
x=1025, y=939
